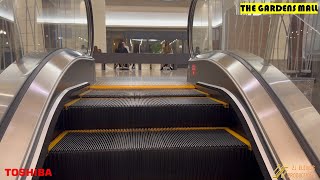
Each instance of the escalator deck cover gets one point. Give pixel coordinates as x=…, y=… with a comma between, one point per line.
x=143, y=93
x=148, y=140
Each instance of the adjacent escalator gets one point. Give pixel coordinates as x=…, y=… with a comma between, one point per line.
x=148, y=133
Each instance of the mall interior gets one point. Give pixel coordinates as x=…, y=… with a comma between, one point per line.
x=157, y=89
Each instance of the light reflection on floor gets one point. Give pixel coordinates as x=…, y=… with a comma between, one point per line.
x=146, y=76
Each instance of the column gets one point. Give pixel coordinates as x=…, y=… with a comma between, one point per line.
x=99, y=21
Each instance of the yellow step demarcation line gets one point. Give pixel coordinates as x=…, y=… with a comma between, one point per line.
x=233, y=133
x=225, y=104
x=84, y=93
x=57, y=140
x=66, y=106
x=108, y=87
x=202, y=92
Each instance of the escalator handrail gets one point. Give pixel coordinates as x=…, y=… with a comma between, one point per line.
x=190, y=26
x=89, y=12
x=287, y=116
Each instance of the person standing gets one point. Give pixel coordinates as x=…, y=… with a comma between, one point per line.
x=166, y=50
x=121, y=49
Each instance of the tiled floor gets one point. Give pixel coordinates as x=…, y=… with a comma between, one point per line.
x=146, y=76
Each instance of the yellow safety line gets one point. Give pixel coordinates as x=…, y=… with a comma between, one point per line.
x=57, y=140
x=225, y=105
x=104, y=87
x=202, y=92
x=84, y=93
x=233, y=133
x=241, y=138
x=66, y=106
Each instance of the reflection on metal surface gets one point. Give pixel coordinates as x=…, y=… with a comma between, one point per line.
x=69, y=69
x=48, y=121
x=254, y=133
x=6, y=95
x=13, y=78
x=304, y=115
x=282, y=142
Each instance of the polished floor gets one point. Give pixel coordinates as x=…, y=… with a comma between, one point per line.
x=145, y=76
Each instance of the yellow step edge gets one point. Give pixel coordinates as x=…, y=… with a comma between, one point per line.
x=84, y=93
x=239, y=137
x=57, y=140
x=225, y=105
x=66, y=106
x=106, y=87
x=233, y=133
x=202, y=92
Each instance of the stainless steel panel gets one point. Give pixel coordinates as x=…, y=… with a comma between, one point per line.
x=47, y=123
x=250, y=125
x=305, y=116
x=225, y=71
x=62, y=71
x=13, y=77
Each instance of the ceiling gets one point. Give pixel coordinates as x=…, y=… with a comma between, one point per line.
x=155, y=3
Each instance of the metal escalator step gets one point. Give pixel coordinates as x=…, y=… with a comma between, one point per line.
x=143, y=93
x=133, y=102
x=152, y=154
x=118, y=113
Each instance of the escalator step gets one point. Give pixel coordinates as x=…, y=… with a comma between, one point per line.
x=119, y=113
x=143, y=154
x=142, y=93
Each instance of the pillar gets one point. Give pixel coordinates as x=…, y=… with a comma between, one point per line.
x=99, y=21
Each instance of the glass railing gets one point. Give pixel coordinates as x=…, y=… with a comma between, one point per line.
x=289, y=42
x=29, y=31
x=283, y=49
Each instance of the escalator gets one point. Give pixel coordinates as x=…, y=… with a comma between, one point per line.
x=149, y=133
x=233, y=117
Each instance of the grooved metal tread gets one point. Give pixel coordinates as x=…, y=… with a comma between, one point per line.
x=157, y=154
x=146, y=140
x=142, y=93
x=144, y=102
